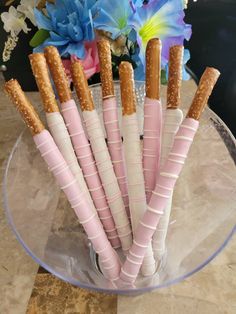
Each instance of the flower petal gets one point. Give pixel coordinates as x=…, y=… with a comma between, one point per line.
x=42, y=20
x=70, y=24
x=113, y=17
x=76, y=49
x=161, y=19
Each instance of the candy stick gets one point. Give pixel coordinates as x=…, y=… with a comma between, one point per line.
x=110, y=118
x=152, y=116
x=166, y=179
x=55, y=121
x=173, y=119
x=81, y=145
x=66, y=180
x=102, y=157
x=133, y=158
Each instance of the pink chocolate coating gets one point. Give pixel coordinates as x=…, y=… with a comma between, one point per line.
x=87, y=217
x=151, y=143
x=166, y=180
x=87, y=163
x=115, y=147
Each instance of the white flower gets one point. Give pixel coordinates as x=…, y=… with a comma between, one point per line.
x=26, y=7
x=14, y=22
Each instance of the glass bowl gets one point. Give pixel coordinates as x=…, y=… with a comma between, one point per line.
x=202, y=219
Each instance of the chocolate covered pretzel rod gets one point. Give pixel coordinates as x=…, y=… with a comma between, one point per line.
x=110, y=118
x=166, y=179
x=152, y=116
x=102, y=157
x=133, y=158
x=81, y=144
x=55, y=121
x=57, y=165
x=172, y=121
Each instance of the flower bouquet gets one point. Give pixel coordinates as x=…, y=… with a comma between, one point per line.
x=75, y=26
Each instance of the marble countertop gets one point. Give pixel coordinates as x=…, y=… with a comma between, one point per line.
x=23, y=290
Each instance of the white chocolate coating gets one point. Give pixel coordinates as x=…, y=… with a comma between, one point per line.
x=136, y=185
x=108, y=177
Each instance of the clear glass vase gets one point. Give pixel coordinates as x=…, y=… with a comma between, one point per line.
x=202, y=219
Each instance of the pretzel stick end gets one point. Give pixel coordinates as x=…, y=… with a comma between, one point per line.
x=174, y=77
x=22, y=104
x=58, y=73
x=205, y=87
x=104, y=53
x=127, y=88
x=81, y=87
x=40, y=71
x=153, y=68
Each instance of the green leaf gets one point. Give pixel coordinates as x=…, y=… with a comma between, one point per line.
x=164, y=81
x=39, y=37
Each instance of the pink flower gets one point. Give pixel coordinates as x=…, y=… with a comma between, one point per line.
x=90, y=62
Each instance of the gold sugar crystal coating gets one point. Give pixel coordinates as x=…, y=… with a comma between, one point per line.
x=81, y=87
x=127, y=88
x=153, y=68
x=174, y=77
x=204, y=90
x=104, y=53
x=41, y=74
x=24, y=106
x=58, y=73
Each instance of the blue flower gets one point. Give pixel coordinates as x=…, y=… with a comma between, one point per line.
x=113, y=16
x=135, y=4
x=162, y=19
x=186, y=57
x=139, y=71
x=69, y=24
